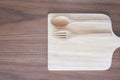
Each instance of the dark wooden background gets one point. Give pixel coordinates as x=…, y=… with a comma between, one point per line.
x=23, y=38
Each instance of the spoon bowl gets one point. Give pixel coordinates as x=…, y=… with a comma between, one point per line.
x=60, y=21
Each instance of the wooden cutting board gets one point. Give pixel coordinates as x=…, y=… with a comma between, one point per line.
x=80, y=41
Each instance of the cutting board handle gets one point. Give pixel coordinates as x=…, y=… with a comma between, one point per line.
x=117, y=38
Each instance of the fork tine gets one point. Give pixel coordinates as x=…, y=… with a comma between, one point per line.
x=61, y=34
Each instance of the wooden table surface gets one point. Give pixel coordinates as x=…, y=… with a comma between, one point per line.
x=23, y=38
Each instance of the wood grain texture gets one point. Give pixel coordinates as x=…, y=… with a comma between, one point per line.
x=23, y=38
